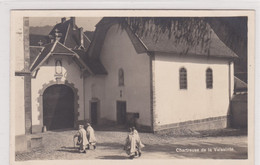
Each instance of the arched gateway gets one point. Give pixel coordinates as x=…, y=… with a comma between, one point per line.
x=58, y=107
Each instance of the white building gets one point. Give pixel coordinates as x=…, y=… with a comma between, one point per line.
x=122, y=78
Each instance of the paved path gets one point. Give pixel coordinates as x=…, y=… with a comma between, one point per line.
x=59, y=145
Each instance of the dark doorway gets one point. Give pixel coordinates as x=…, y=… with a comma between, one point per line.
x=58, y=107
x=121, y=112
x=94, y=113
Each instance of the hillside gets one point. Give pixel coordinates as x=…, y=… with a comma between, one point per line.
x=43, y=30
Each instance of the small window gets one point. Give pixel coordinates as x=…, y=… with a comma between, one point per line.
x=209, y=78
x=121, y=77
x=183, y=78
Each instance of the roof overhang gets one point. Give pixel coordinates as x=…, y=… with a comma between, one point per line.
x=177, y=54
x=35, y=66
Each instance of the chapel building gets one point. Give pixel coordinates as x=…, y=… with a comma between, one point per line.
x=121, y=77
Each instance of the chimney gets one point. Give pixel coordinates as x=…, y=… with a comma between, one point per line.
x=63, y=19
x=81, y=37
x=72, y=21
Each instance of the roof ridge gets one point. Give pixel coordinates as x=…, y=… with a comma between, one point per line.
x=37, y=66
x=81, y=60
x=37, y=54
x=65, y=47
x=233, y=53
x=65, y=38
x=86, y=37
x=137, y=36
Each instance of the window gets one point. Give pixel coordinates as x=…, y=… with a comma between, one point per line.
x=183, y=78
x=121, y=77
x=209, y=78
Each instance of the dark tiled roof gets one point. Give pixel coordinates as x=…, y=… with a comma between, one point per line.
x=41, y=57
x=241, y=75
x=94, y=65
x=73, y=39
x=98, y=40
x=165, y=44
x=137, y=43
x=239, y=85
x=70, y=37
x=34, y=52
x=35, y=38
x=55, y=48
x=69, y=44
x=89, y=34
x=61, y=49
x=214, y=48
x=62, y=28
x=86, y=42
x=81, y=53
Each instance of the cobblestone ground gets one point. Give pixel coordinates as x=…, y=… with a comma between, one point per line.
x=59, y=146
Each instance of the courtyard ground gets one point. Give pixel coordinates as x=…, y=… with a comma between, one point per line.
x=217, y=144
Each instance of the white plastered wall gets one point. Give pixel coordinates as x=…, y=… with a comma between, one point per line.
x=175, y=105
x=118, y=52
x=71, y=73
x=94, y=90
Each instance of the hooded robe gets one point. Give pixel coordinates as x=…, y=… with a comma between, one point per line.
x=82, y=139
x=91, y=135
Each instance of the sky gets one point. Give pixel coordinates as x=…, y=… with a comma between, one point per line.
x=88, y=23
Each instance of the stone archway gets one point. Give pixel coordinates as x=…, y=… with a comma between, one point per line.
x=75, y=98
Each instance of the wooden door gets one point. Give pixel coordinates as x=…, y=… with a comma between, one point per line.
x=121, y=112
x=94, y=112
x=58, y=107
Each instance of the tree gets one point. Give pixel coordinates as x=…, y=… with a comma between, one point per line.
x=194, y=31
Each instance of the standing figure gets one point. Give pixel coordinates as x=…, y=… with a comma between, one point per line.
x=132, y=144
x=139, y=143
x=91, y=136
x=82, y=140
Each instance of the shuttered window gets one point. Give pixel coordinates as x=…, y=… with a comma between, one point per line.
x=183, y=78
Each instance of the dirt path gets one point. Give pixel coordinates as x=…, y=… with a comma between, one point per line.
x=59, y=145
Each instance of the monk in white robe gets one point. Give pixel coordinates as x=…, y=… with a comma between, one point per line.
x=139, y=143
x=130, y=144
x=91, y=136
x=82, y=140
